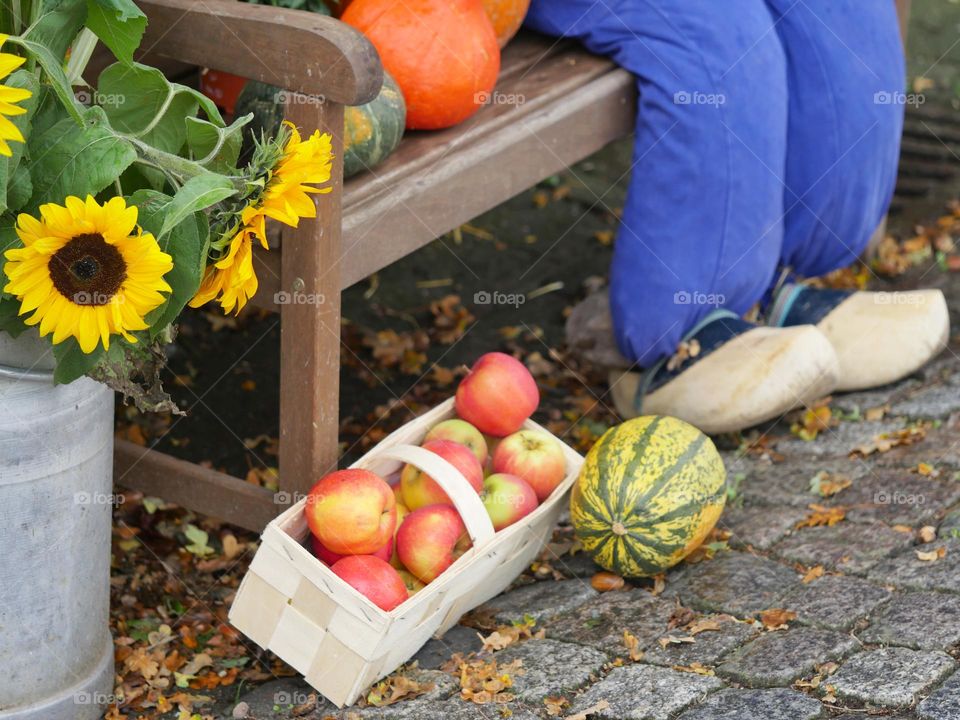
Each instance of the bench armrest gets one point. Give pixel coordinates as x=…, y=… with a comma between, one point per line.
x=296, y=50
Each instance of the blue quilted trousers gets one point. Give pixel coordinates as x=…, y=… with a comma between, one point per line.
x=767, y=139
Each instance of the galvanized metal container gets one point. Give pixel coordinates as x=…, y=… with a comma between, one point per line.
x=56, y=458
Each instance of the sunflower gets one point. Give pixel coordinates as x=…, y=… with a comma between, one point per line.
x=304, y=164
x=86, y=271
x=285, y=198
x=231, y=278
x=9, y=96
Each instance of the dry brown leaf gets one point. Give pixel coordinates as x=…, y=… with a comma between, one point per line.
x=776, y=618
x=694, y=667
x=813, y=422
x=685, y=350
x=659, y=584
x=927, y=534
x=884, y=442
x=633, y=646
x=555, y=705
x=592, y=710
x=604, y=581
x=905, y=529
x=932, y=555
x=680, y=616
x=822, y=516
x=483, y=682
x=707, y=624
x=395, y=688
x=506, y=635
x=875, y=414
x=827, y=484
x=668, y=640
x=812, y=574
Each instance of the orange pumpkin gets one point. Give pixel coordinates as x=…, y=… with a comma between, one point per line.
x=442, y=53
x=507, y=17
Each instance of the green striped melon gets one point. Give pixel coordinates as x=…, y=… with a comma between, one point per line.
x=650, y=491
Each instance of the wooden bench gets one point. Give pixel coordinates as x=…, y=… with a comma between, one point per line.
x=568, y=104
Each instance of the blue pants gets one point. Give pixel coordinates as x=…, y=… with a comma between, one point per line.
x=767, y=137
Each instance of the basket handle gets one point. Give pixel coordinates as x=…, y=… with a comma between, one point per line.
x=454, y=484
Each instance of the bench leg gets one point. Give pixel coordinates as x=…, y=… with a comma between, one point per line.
x=310, y=320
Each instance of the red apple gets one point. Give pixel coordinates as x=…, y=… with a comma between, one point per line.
x=460, y=431
x=374, y=578
x=351, y=512
x=419, y=489
x=329, y=558
x=507, y=499
x=536, y=457
x=497, y=395
x=430, y=540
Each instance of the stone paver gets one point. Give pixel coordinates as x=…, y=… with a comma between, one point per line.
x=777, y=704
x=846, y=546
x=919, y=620
x=708, y=647
x=786, y=483
x=551, y=668
x=944, y=702
x=890, y=677
x=738, y=583
x=645, y=692
x=540, y=600
x=835, y=601
x=760, y=527
x=905, y=570
x=839, y=441
x=778, y=658
x=437, y=651
x=897, y=497
x=600, y=623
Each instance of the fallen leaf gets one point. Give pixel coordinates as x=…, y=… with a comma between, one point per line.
x=927, y=534
x=592, y=710
x=822, y=516
x=555, y=706
x=827, y=484
x=813, y=421
x=932, y=555
x=395, y=688
x=812, y=574
x=483, y=682
x=633, y=646
x=668, y=640
x=694, y=667
x=776, y=618
x=884, y=442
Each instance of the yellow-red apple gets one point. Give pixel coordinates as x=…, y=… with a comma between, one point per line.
x=507, y=498
x=374, y=578
x=497, y=395
x=351, y=512
x=420, y=490
x=402, y=512
x=460, y=431
x=329, y=558
x=430, y=539
x=414, y=585
x=536, y=457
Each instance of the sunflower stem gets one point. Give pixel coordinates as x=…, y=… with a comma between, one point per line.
x=174, y=166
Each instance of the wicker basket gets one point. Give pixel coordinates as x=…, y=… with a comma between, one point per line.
x=292, y=604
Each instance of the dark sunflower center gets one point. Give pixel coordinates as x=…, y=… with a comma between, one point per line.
x=87, y=270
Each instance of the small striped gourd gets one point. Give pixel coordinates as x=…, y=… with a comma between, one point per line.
x=650, y=491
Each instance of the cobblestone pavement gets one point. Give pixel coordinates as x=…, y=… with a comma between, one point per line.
x=877, y=632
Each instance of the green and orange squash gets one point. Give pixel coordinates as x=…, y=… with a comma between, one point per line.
x=650, y=491
x=371, y=132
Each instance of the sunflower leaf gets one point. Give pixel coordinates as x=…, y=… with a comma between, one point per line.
x=58, y=25
x=72, y=362
x=77, y=160
x=10, y=320
x=119, y=24
x=187, y=244
x=197, y=194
